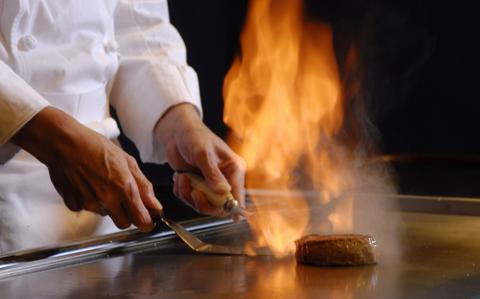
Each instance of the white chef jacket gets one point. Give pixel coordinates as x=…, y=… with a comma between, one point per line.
x=81, y=56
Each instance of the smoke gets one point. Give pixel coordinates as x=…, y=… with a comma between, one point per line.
x=381, y=48
x=391, y=44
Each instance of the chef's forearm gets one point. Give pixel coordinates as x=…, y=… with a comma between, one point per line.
x=48, y=133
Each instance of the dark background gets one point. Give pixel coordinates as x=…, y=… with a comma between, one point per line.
x=419, y=62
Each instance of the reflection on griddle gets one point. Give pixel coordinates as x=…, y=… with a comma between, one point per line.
x=263, y=275
x=338, y=282
x=440, y=259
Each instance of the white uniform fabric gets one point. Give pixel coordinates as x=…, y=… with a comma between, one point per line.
x=81, y=56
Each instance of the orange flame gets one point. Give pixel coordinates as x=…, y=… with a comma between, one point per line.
x=284, y=105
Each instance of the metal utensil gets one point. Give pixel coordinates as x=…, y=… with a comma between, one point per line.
x=223, y=201
x=198, y=245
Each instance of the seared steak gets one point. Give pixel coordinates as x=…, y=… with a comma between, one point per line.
x=336, y=250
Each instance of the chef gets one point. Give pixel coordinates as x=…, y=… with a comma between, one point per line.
x=62, y=64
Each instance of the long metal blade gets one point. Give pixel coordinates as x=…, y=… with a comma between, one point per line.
x=189, y=239
x=198, y=245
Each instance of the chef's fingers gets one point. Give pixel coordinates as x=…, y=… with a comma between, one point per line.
x=145, y=187
x=207, y=161
x=235, y=173
x=124, y=205
x=132, y=200
x=94, y=206
x=177, y=161
x=233, y=167
x=118, y=214
x=89, y=200
x=182, y=189
x=204, y=206
x=65, y=190
x=73, y=204
x=175, y=186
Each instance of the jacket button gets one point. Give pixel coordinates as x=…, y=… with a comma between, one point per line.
x=27, y=43
x=110, y=46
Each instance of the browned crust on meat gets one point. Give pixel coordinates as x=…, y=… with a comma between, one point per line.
x=336, y=250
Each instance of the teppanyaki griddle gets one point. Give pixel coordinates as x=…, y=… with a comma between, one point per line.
x=440, y=258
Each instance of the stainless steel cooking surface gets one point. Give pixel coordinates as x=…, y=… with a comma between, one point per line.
x=441, y=258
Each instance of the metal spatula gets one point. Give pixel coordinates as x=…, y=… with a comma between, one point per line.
x=198, y=245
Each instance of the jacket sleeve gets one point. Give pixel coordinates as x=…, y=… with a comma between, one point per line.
x=19, y=102
x=153, y=74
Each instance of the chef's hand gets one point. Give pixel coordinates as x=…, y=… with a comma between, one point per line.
x=88, y=170
x=191, y=146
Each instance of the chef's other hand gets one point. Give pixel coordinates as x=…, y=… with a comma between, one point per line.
x=191, y=146
x=88, y=170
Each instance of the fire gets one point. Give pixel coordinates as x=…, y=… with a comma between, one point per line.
x=283, y=102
